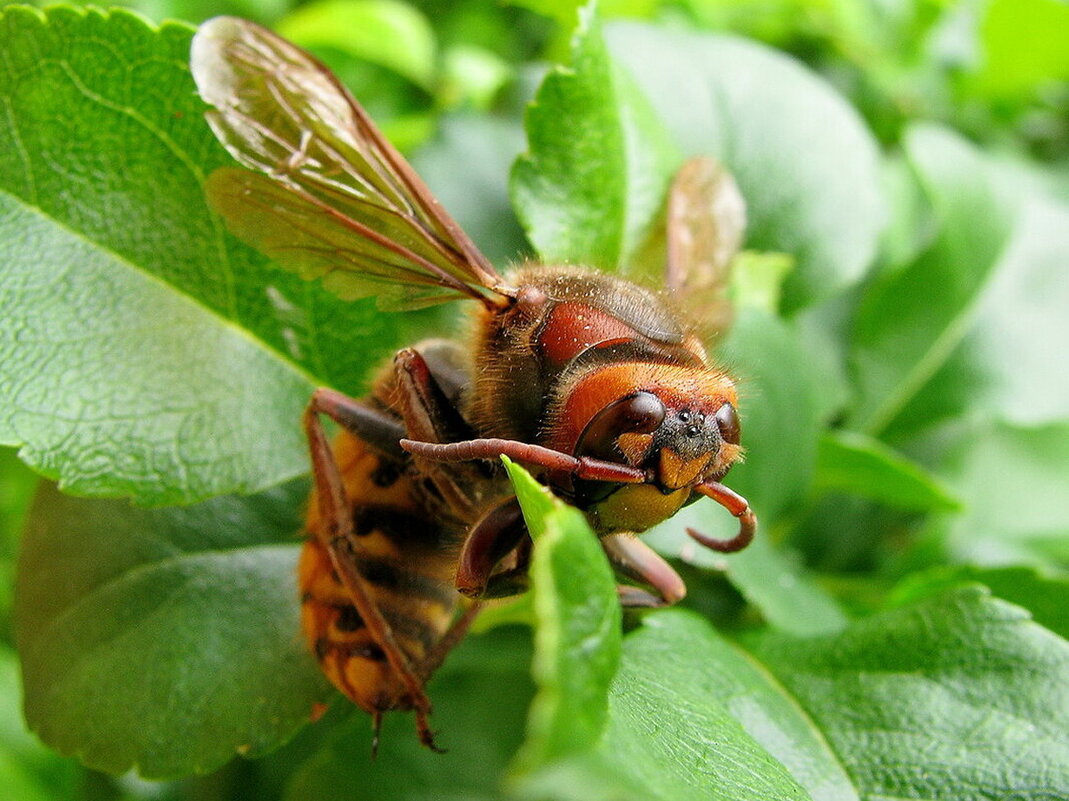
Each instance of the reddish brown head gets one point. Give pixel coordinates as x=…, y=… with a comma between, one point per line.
x=677, y=421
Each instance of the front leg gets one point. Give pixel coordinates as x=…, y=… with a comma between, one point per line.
x=635, y=560
x=495, y=536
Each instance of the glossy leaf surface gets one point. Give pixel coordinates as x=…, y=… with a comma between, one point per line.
x=163, y=620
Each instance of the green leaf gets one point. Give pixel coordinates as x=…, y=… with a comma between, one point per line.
x=599, y=161
x=172, y=640
x=687, y=716
x=914, y=703
x=804, y=161
x=860, y=465
x=960, y=696
x=28, y=771
x=115, y=399
x=1002, y=369
x=1044, y=594
x=1012, y=482
x=577, y=634
x=389, y=33
x=1025, y=44
x=142, y=350
x=910, y=322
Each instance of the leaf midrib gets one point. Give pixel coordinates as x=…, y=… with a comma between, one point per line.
x=796, y=703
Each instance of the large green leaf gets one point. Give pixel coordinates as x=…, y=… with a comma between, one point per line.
x=959, y=697
x=118, y=385
x=1045, y=595
x=164, y=640
x=634, y=735
x=599, y=160
x=804, y=161
x=919, y=702
x=687, y=715
x=143, y=351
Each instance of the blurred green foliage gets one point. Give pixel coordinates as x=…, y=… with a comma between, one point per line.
x=905, y=408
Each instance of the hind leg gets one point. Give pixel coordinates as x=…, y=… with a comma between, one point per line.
x=337, y=536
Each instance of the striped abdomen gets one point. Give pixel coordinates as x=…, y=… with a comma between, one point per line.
x=407, y=562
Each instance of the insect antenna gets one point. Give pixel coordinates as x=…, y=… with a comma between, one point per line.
x=524, y=452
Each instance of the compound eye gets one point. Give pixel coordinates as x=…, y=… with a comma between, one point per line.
x=729, y=423
x=640, y=413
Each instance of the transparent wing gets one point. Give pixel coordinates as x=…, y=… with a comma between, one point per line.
x=706, y=224
x=330, y=196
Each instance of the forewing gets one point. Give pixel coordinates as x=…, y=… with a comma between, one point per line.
x=706, y=224
x=354, y=211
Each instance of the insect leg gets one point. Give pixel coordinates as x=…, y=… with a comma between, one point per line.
x=635, y=560
x=378, y=429
x=739, y=507
x=455, y=634
x=429, y=416
x=489, y=541
x=516, y=579
x=448, y=364
x=337, y=536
